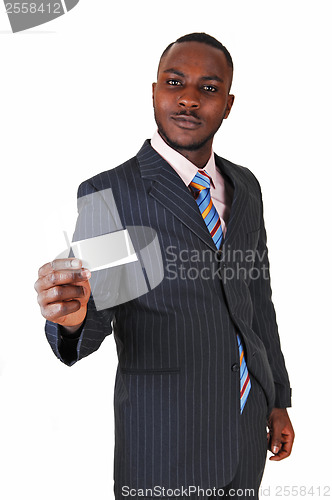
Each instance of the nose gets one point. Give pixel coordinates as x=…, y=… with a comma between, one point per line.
x=189, y=99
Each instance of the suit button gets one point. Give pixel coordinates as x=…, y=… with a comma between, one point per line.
x=219, y=255
x=235, y=367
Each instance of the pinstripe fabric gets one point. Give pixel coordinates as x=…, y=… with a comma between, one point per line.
x=253, y=449
x=201, y=190
x=177, y=412
x=253, y=446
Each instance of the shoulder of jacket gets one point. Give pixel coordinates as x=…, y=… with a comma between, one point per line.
x=107, y=178
x=243, y=172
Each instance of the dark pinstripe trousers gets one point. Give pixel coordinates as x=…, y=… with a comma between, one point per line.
x=253, y=448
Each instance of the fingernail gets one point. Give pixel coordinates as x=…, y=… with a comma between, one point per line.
x=75, y=263
x=275, y=449
x=86, y=273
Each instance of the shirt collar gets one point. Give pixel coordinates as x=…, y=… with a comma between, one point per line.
x=183, y=167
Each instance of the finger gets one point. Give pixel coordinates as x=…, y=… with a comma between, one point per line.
x=57, y=264
x=287, y=444
x=286, y=448
x=275, y=446
x=275, y=440
x=61, y=293
x=53, y=312
x=280, y=456
x=275, y=437
x=62, y=277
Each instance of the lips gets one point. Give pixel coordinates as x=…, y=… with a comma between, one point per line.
x=186, y=121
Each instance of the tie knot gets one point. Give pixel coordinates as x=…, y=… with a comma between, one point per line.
x=201, y=181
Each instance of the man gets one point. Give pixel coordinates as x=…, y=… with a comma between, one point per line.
x=200, y=367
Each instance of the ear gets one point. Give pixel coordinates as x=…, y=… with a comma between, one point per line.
x=230, y=101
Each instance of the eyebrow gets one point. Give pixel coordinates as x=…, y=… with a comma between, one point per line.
x=175, y=71
x=205, y=78
x=213, y=77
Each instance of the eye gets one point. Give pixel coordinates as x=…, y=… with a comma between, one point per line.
x=210, y=88
x=174, y=83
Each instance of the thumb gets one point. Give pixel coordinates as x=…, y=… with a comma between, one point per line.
x=275, y=446
x=275, y=438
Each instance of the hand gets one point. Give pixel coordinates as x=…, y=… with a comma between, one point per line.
x=63, y=292
x=281, y=434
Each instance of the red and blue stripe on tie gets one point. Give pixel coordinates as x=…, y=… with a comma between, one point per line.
x=245, y=383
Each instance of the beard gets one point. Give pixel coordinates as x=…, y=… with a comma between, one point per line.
x=193, y=146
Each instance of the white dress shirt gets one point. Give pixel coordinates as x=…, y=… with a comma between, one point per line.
x=221, y=190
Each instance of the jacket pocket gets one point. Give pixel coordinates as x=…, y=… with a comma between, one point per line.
x=252, y=238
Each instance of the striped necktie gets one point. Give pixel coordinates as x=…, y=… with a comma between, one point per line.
x=200, y=186
x=245, y=383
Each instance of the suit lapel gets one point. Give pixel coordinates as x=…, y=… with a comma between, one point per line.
x=168, y=189
x=240, y=197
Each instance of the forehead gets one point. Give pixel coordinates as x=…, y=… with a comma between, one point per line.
x=196, y=58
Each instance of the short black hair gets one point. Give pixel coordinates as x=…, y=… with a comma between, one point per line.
x=202, y=38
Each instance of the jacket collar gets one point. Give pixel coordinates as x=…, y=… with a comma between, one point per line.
x=168, y=189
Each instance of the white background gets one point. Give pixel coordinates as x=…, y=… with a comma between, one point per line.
x=70, y=92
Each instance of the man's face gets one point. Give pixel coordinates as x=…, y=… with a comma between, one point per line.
x=191, y=98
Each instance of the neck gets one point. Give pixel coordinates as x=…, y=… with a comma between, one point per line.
x=199, y=157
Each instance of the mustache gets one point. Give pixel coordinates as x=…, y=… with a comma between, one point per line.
x=184, y=113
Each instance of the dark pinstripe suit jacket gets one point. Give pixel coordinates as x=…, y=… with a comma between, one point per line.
x=177, y=385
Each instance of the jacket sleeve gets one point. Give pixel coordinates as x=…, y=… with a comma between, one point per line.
x=95, y=217
x=96, y=327
x=264, y=320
